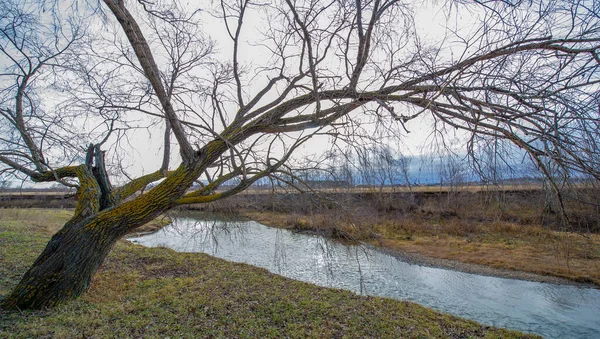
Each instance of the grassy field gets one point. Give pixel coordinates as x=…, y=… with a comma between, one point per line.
x=159, y=293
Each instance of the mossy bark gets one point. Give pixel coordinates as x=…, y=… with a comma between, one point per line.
x=65, y=268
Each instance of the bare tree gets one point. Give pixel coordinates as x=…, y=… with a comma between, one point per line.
x=284, y=72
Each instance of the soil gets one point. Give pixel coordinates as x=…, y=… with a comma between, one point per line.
x=419, y=259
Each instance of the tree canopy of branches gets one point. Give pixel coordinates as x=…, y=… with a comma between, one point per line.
x=235, y=87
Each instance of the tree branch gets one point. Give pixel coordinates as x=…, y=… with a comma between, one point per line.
x=138, y=184
x=146, y=60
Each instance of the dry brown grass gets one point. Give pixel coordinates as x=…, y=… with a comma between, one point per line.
x=38, y=219
x=563, y=255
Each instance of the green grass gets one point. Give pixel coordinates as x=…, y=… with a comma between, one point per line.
x=159, y=293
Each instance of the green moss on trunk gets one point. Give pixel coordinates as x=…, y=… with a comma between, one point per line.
x=66, y=266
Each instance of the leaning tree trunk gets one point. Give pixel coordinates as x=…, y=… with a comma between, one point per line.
x=65, y=268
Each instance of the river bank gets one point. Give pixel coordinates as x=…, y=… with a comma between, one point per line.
x=419, y=259
x=157, y=292
x=501, y=249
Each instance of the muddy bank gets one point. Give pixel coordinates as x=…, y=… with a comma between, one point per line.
x=419, y=259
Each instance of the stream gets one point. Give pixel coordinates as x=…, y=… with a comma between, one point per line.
x=553, y=311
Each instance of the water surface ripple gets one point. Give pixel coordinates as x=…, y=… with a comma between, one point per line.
x=553, y=311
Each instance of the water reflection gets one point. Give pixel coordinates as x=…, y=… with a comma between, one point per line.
x=554, y=311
